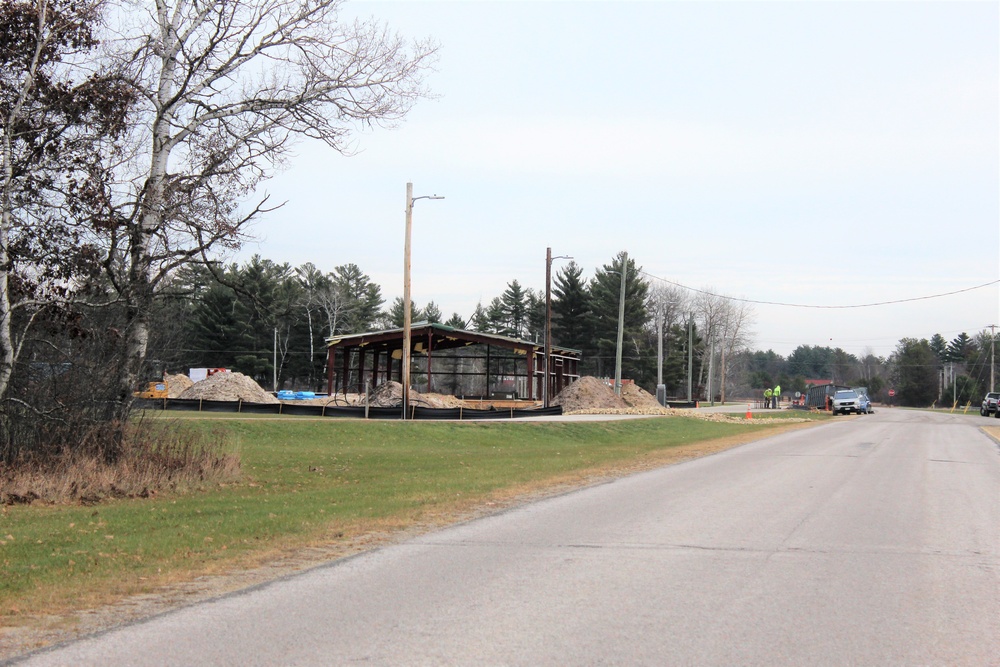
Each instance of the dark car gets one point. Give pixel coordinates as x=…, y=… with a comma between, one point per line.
x=845, y=401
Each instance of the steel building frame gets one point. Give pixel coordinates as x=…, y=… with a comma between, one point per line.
x=376, y=357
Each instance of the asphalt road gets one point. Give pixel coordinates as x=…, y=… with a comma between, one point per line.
x=872, y=540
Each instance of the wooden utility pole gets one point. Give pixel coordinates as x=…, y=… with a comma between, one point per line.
x=993, y=338
x=404, y=374
x=405, y=370
x=548, y=326
x=690, y=354
x=621, y=328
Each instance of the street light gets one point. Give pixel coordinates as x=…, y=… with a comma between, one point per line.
x=405, y=374
x=548, y=321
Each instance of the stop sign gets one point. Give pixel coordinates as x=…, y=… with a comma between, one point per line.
x=892, y=392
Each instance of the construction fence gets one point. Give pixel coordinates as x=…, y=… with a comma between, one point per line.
x=353, y=412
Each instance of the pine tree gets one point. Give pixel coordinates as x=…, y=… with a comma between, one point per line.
x=571, y=313
x=605, y=294
x=940, y=347
x=479, y=320
x=395, y=316
x=432, y=313
x=361, y=297
x=915, y=373
x=961, y=347
x=535, y=316
x=496, y=317
x=514, y=308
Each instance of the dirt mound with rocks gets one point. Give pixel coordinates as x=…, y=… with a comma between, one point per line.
x=588, y=393
x=231, y=386
x=637, y=397
x=177, y=384
x=387, y=395
x=438, y=400
x=390, y=395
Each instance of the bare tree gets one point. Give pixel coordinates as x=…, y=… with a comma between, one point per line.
x=669, y=303
x=725, y=326
x=227, y=86
x=59, y=116
x=708, y=309
x=737, y=318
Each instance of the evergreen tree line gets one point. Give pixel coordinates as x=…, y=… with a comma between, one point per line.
x=920, y=372
x=271, y=321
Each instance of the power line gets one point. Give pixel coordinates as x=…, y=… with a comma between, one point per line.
x=806, y=305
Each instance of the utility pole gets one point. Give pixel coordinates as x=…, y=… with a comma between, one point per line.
x=404, y=375
x=993, y=339
x=548, y=326
x=661, y=391
x=711, y=359
x=954, y=386
x=621, y=328
x=722, y=372
x=690, y=354
x=548, y=322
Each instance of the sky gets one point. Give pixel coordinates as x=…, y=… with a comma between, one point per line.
x=822, y=155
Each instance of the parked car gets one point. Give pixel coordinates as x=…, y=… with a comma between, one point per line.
x=864, y=404
x=989, y=406
x=845, y=401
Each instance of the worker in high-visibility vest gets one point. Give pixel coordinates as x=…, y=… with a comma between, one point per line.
x=767, y=397
x=777, y=394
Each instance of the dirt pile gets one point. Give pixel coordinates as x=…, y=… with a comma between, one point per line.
x=387, y=395
x=637, y=397
x=229, y=386
x=438, y=400
x=390, y=395
x=176, y=384
x=588, y=393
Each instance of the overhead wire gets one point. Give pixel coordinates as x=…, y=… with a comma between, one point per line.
x=806, y=305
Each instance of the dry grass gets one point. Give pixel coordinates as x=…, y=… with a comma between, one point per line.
x=151, y=456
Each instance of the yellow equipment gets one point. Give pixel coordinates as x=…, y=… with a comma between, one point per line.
x=153, y=390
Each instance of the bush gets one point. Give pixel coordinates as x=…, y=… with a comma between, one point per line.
x=149, y=456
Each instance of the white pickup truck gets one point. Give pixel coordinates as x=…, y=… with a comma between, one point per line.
x=990, y=405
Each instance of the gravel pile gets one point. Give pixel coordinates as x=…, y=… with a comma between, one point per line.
x=176, y=384
x=229, y=386
x=637, y=397
x=588, y=393
x=390, y=395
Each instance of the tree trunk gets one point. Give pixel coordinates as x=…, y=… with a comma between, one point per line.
x=138, y=292
x=6, y=312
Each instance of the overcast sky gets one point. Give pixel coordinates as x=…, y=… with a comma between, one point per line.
x=811, y=153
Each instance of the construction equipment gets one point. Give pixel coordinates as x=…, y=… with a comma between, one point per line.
x=152, y=390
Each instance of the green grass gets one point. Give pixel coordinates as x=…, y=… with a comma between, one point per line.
x=305, y=482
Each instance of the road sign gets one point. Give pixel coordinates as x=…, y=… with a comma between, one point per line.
x=892, y=392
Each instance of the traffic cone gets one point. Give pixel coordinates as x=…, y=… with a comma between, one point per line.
x=749, y=414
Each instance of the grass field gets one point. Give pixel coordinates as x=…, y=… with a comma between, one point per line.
x=309, y=482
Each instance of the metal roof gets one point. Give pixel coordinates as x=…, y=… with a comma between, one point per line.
x=443, y=337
